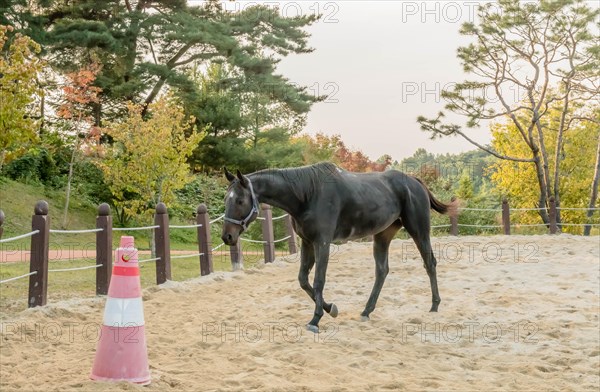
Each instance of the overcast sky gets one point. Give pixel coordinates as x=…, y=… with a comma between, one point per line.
x=383, y=63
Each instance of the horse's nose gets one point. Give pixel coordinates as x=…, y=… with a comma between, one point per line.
x=227, y=238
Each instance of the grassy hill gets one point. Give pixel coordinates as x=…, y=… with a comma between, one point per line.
x=17, y=200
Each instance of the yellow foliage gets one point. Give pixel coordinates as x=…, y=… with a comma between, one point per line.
x=147, y=162
x=19, y=67
x=518, y=180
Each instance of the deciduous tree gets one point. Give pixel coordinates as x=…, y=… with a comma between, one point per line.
x=148, y=161
x=548, y=53
x=19, y=67
x=78, y=94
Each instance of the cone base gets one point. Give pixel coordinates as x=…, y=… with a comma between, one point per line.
x=141, y=381
x=121, y=355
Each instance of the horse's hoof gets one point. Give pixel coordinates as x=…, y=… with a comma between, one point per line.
x=334, y=311
x=364, y=318
x=312, y=328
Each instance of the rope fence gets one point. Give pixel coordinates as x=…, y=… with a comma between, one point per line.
x=38, y=279
x=75, y=231
x=148, y=260
x=75, y=268
x=218, y=246
x=186, y=256
x=185, y=226
x=135, y=228
x=217, y=219
x=253, y=241
x=19, y=237
x=18, y=277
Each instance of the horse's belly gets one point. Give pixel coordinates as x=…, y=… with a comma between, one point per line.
x=356, y=230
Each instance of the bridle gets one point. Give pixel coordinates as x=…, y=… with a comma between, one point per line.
x=244, y=222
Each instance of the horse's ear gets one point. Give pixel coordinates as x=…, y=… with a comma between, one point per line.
x=230, y=177
x=242, y=178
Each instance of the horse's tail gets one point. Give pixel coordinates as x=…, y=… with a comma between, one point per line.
x=442, y=208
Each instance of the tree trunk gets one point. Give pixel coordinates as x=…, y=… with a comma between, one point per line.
x=545, y=167
x=2, y=157
x=69, y=179
x=42, y=111
x=594, y=191
x=543, y=200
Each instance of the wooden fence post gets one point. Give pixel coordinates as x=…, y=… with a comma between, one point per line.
x=1, y=223
x=38, y=283
x=103, y=249
x=267, y=231
x=289, y=227
x=506, y=217
x=552, y=216
x=163, y=244
x=204, y=240
x=237, y=257
x=454, y=220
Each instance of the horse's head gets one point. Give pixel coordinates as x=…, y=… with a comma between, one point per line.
x=241, y=207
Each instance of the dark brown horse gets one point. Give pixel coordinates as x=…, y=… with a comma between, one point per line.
x=326, y=204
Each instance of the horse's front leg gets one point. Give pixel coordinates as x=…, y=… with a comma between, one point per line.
x=321, y=250
x=307, y=261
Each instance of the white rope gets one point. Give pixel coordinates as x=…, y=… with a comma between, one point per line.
x=18, y=277
x=135, y=228
x=146, y=260
x=280, y=217
x=529, y=209
x=260, y=218
x=528, y=225
x=186, y=256
x=217, y=247
x=578, y=209
x=185, y=226
x=438, y=226
x=283, y=239
x=480, y=209
x=75, y=268
x=578, y=224
x=76, y=231
x=255, y=241
x=217, y=219
x=483, y=226
x=19, y=237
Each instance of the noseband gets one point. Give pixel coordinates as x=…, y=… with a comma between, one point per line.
x=244, y=222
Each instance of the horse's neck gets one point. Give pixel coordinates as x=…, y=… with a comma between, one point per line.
x=272, y=188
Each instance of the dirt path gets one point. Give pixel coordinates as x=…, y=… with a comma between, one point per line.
x=517, y=313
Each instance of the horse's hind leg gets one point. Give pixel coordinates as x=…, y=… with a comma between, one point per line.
x=419, y=231
x=381, y=246
x=321, y=261
x=307, y=261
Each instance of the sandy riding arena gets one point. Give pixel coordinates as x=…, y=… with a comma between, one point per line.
x=517, y=313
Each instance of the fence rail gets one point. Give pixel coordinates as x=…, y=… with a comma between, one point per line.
x=553, y=225
x=39, y=255
x=40, y=234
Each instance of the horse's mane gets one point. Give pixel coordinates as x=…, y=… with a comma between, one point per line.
x=304, y=181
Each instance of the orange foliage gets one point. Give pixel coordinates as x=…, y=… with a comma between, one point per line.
x=356, y=161
x=331, y=148
x=78, y=94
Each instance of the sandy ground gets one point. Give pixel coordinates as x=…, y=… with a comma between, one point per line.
x=517, y=313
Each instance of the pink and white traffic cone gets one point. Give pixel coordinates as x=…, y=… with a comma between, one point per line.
x=121, y=354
